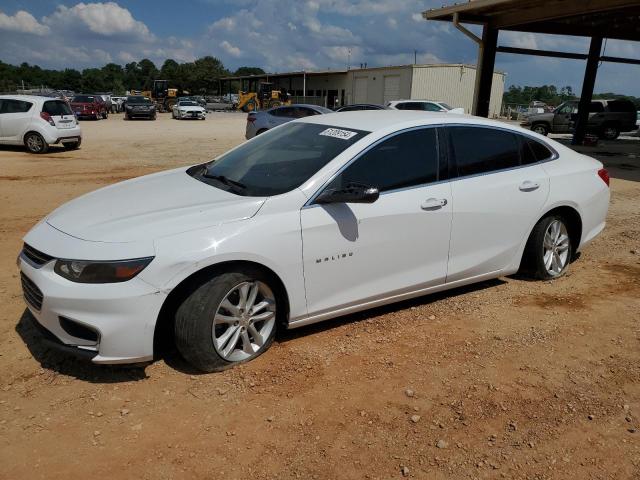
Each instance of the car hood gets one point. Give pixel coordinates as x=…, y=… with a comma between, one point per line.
x=150, y=207
x=541, y=116
x=191, y=108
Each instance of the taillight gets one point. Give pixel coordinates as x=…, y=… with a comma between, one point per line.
x=47, y=118
x=604, y=175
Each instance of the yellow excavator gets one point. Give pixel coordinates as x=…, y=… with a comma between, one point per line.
x=266, y=97
x=163, y=96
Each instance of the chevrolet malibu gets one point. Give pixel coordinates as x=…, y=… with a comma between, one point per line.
x=317, y=218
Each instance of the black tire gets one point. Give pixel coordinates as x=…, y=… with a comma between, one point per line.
x=105, y=115
x=152, y=118
x=35, y=143
x=533, y=259
x=262, y=130
x=541, y=128
x=610, y=132
x=72, y=145
x=194, y=322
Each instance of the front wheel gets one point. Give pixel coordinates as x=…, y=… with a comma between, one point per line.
x=230, y=319
x=541, y=129
x=549, y=250
x=610, y=132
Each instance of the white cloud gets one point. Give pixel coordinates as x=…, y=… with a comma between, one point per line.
x=22, y=22
x=230, y=49
x=108, y=19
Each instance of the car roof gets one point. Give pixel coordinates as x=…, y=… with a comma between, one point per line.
x=33, y=98
x=373, y=120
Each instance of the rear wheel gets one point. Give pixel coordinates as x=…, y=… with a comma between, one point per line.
x=610, y=132
x=105, y=115
x=228, y=320
x=549, y=250
x=35, y=143
x=72, y=145
x=262, y=130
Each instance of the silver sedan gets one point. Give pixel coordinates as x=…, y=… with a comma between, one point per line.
x=259, y=122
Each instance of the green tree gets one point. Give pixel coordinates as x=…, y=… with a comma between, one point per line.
x=242, y=71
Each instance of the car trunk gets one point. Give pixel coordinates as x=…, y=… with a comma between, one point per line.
x=60, y=114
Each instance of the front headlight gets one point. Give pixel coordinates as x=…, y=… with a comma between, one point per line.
x=88, y=271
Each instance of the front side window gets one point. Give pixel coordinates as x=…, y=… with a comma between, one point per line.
x=595, y=107
x=277, y=161
x=15, y=106
x=568, y=108
x=404, y=160
x=432, y=107
x=480, y=150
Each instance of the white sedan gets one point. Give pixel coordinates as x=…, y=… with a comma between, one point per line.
x=188, y=109
x=314, y=219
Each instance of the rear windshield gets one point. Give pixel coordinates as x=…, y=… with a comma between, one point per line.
x=138, y=100
x=277, y=161
x=56, y=107
x=84, y=99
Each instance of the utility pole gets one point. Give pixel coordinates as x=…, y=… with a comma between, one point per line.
x=349, y=60
x=415, y=57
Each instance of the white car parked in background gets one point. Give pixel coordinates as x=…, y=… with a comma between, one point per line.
x=424, y=105
x=37, y=122
x=188, y=109
x=317, y=218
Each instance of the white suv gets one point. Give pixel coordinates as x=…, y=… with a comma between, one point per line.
x=424, y=105
x=37, y=122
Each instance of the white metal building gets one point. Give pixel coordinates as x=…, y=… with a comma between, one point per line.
x=449, y=83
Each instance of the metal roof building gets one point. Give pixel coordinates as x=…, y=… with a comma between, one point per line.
x=449, y=83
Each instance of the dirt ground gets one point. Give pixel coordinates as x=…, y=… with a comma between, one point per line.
x=506, y=379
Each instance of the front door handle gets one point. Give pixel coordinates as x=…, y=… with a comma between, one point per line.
x=529, y=186
x=433, y=203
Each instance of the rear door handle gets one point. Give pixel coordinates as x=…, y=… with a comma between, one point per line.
x=529, y=186
x=433, y=203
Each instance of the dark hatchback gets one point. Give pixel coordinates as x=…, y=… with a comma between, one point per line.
x=138, y=106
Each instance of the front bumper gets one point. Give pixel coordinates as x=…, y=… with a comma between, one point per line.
x=123, y=314
x=198, y=115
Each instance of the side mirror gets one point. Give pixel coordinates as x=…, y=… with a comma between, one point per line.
x=352, y=193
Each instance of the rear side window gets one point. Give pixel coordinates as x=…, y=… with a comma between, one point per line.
x=480, y=150
x=533, y=151
x=282, y=112
x=409, y=106
x=596, y=107
x=405, y=160
x=621, y=106
x=15, y=106
x=56, y=107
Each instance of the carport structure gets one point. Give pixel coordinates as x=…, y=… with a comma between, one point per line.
x=597, y=19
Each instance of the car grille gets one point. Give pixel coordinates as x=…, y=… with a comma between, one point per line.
x=36, y=256
x=32, y=294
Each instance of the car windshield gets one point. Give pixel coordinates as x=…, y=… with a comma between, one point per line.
x=83, y=99
x=144, y=100
x=277, y=161
x=188, y=104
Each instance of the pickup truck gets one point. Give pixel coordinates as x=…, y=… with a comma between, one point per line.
x=607, y=118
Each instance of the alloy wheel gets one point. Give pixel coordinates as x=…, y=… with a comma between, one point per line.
x=556, y=248
x=244, y=321
x=35, y=143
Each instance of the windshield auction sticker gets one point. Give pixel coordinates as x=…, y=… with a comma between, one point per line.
x=337, y=133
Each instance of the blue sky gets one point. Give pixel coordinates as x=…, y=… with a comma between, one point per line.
x=278, y=35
